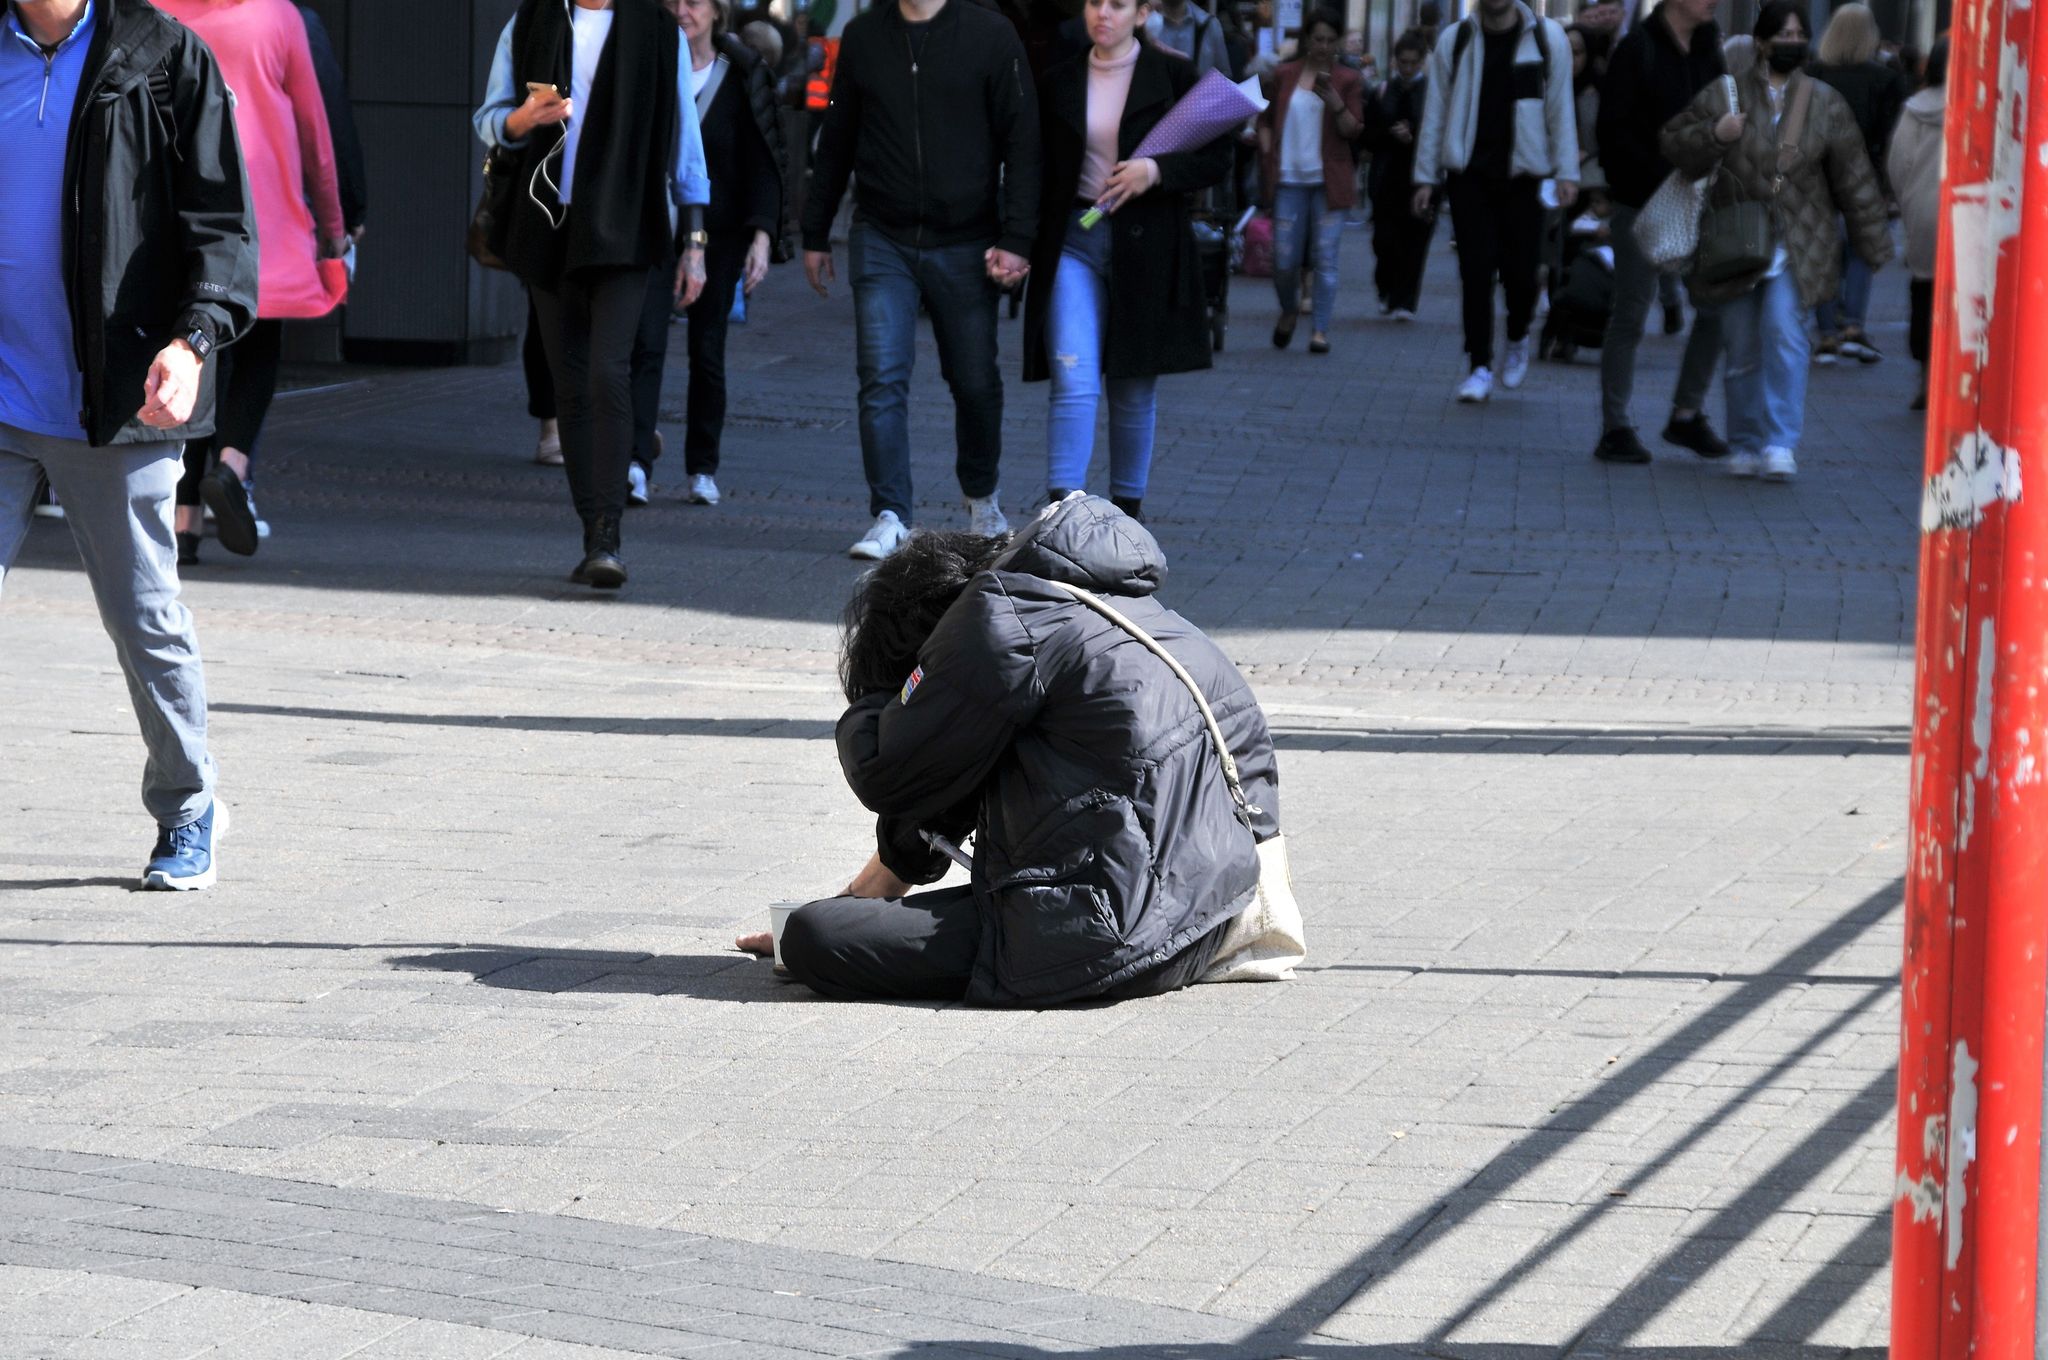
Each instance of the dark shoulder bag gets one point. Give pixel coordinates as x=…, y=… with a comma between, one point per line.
x=1736, y=239
x=501, y=176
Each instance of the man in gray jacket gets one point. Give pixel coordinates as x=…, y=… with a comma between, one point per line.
x=1499, y=120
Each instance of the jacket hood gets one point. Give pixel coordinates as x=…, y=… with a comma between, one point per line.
x=1927, y=105
x=1085, y=541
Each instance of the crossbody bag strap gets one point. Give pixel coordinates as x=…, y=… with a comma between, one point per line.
x=1151, y=644
x=1790, y=129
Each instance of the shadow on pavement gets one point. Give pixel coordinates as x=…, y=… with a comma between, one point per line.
x=1320, y=1349
x=802, y=729
x=718, y=977
x=133, y=882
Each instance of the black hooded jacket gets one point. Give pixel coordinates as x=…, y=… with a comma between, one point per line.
x=1106, y=840
x=159, y=230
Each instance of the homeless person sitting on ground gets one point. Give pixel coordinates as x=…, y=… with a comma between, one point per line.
x=1110, y=856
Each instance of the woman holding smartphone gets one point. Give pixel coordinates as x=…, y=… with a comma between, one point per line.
x=1117, y=304
x=595, y=98
x=1308, y=166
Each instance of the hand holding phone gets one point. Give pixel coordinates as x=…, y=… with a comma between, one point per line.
x=545, y=106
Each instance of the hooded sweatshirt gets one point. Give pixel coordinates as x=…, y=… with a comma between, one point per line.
x=1914, y=166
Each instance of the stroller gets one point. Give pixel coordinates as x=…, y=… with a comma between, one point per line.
x=1215, y=244
x=1581, y=293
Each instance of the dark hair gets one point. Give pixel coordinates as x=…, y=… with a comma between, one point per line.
x=1411, y=41
x=1935, y=73
x=1328, y=18
x=1771, y=20
x=1429, y=15
x=896, y=606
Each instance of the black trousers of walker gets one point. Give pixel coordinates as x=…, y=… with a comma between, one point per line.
x=244, y=384
x=588, y=321
x=533, y=357
x=923, y=947
x=1400, y=247
x=710, y=317
x=1499, y=225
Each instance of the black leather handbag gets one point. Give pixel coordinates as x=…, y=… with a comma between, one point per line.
x=501, y=177
x=1736, y=238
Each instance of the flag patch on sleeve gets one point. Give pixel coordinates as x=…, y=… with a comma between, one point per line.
x=910, y=685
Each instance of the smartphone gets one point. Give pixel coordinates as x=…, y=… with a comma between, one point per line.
x=536, y=86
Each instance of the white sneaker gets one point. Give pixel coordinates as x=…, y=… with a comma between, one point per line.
x=548, y=452
x=703, y=491
x=884, y=538
x=1403, y=315
x=48, y=508
x=985, y=517
x=1514, y=364
x=636, y=484
x=1744, y=464
x=1477, y=387
x=1779, y=465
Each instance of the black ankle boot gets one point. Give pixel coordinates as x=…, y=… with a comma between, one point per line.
x=601, y=567
x=1133, y=506
x=188, y=550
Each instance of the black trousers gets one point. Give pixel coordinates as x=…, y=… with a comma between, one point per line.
x=244, y=384
x=710, y=319
x=650, y=360
x=533, y=355
x=1400, y=247
x=588, y=321
x=1499, y=223
x=1920, y=320
x=922, y=948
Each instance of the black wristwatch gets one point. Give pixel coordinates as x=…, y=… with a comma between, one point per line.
x=200, y=340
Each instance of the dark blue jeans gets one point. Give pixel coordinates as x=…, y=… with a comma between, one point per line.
x=889, y=278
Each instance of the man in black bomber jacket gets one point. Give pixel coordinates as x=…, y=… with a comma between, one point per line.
x=933, y=111
x=132, y=256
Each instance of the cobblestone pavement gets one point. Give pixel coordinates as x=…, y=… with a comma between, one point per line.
x=1594, y=779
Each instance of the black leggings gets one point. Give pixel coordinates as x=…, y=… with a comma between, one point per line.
x=588, y=321
x=244, y=382
x=533, y=355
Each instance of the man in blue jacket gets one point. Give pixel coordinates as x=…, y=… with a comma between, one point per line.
x=127, y=255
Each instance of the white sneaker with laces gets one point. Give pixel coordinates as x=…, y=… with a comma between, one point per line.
x=1744, y=464
x=703, y=491
x=636, y=484
x=48, y=508
x=884, y=538
x=1477, y=387
x=1779, y=465
x=1514, y=364
x=985, y=517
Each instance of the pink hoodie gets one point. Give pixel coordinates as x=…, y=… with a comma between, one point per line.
x=282, y=123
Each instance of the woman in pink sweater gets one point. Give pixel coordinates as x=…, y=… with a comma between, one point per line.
x=263, y=54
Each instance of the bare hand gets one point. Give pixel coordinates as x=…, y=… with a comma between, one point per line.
x=1401, y=132
x=1729, y=129
x=335, y=248
x=689, y=276
x=172, y=387
x=756, y=267
x=1425, y=200
x=1004, y=269
x=818, y=271
x=1567, y=193
x=874, y=881
x=1128, y=180
x=543, y=108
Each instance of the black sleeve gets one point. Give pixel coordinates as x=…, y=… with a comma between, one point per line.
x=1627, y=148
x=215, y=217
x=1013, y=117
x=904, y=852
x=832, y=167
x=351, y=182
x=763, y=159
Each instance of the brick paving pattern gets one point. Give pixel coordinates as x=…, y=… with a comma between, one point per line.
x=1594, y=779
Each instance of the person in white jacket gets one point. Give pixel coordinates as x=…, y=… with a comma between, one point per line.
x=1915, y=168
x=1499, y=120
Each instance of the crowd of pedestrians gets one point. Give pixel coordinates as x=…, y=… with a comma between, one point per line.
x=643, y=178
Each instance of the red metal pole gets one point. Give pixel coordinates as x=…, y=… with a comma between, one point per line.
x=1966, y=1219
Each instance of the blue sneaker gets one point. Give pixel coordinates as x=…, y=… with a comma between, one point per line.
x=184, y=860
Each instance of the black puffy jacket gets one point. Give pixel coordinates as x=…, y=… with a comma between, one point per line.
x=1106, y=840
x=159, y=229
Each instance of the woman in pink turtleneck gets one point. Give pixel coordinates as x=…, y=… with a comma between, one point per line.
x=1110, y=309
x=282, y=123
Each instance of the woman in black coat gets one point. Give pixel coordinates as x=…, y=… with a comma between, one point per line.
x=1109, y=856
x=1122, y=302
x=748, y=226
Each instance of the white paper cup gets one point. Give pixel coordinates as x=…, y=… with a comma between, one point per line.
x=778, y=917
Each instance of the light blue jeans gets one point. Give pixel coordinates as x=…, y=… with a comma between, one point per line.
x=117, y=503
x=1765, y=332
x=1076, y=324
x=1301, y=213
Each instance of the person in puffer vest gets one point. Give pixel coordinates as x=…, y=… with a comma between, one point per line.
x=1108, y=854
